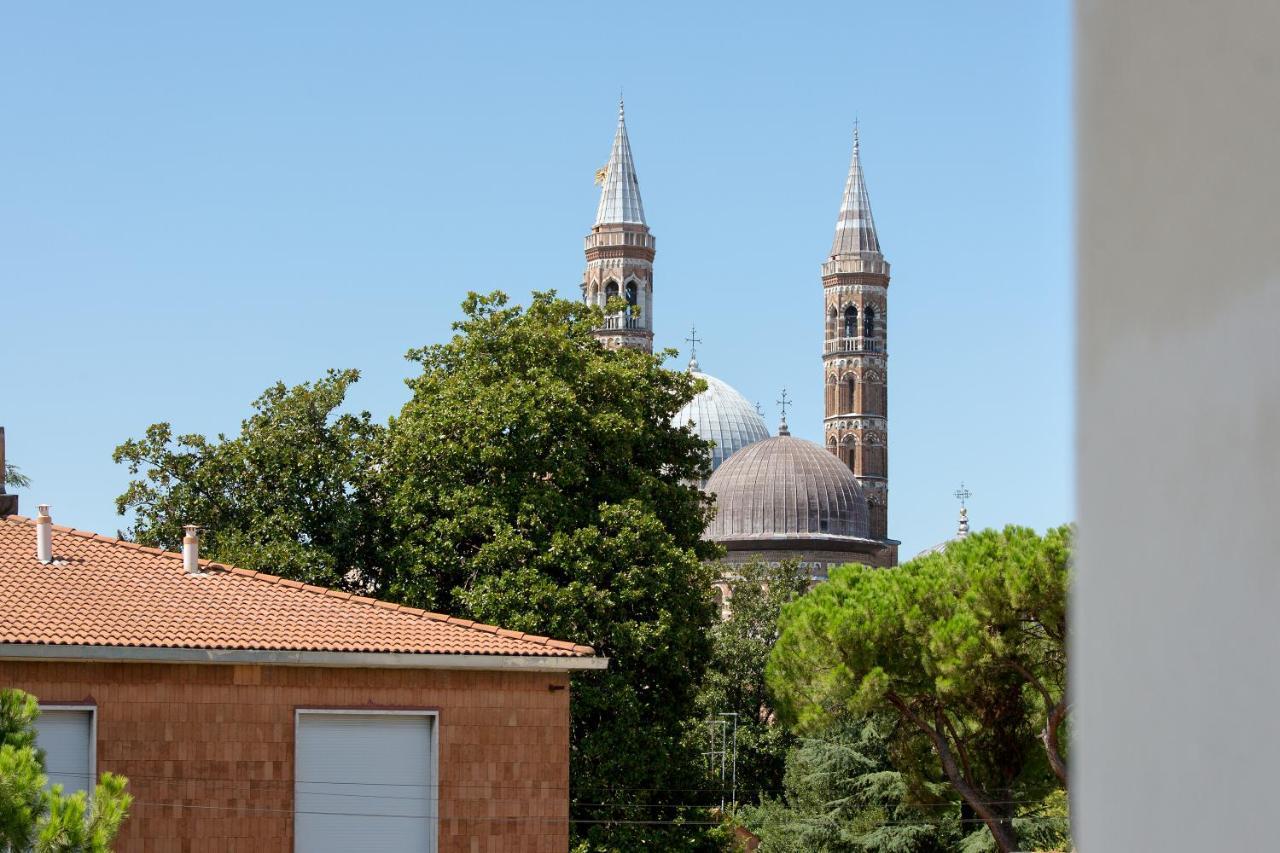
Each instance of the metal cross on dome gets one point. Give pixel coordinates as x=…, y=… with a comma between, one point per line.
x=783, y=402
x=962, y=494
x=693, y=340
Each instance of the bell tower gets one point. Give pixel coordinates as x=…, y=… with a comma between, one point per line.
x=620, y=251
x=855, y=285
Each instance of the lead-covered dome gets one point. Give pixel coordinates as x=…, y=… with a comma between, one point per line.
x=786, y=488
x=722, y=415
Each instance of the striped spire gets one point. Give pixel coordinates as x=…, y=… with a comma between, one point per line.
x=620, y=198
x=855, y=229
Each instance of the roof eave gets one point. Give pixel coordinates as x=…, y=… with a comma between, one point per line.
x=279, y=657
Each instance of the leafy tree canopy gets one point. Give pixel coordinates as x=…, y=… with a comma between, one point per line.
x=296, y=493
x=532, y=480
x=967, y=647
x=45, y=820
x=735, y=679
x=537, y=483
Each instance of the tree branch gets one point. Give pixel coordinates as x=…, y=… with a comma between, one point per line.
x=1000, y=829
x=1055, y=713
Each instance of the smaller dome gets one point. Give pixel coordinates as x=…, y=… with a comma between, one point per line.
x=722, y=415
x=786, y=488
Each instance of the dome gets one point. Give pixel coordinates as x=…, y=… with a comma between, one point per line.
x=786, y=488
x=722, y=415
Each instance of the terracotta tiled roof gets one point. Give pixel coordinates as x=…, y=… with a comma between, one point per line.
x=101, y=591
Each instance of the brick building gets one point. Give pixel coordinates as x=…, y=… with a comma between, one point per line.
x=252, y=713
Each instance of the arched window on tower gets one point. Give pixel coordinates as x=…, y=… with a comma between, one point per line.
x=850, y=322
x=631, y=293
x=833, y=321
x=851, y=388
x=832, y=405
x=610, y=290
x=869, y=322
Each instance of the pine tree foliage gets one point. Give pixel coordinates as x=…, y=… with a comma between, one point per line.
x=966, y=647
x=843, y=793
x=38, y=819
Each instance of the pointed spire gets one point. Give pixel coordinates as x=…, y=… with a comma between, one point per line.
x=855, y=229
x=620, y=197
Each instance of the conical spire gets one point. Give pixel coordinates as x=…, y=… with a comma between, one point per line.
x=620, y=198
x=855, y=229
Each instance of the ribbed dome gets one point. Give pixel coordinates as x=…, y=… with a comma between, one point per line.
x=786, y=487
x=722, y=415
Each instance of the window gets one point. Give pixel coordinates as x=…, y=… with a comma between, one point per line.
x=869, y=322
x=67, y=734
x=384, y=760
x=610, y=290
x=631, y=293
x=851, y=322
x=833, y=322
x=851, y=385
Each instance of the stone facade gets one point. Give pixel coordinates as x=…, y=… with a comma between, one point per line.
x=209, y=749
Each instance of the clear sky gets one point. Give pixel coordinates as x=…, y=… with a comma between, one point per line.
x=199, y=199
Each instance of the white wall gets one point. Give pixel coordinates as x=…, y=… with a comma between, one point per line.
x=1176, y=666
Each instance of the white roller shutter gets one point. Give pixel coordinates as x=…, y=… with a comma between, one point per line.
x=66, y=736
x=364, y=781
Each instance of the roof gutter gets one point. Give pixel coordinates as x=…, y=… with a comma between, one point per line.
x=350, y=660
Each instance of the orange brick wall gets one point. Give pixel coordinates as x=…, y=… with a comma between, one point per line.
x=208, y=749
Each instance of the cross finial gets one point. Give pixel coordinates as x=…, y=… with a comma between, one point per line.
x=962, y=494
x=622, y=109
x=693, y=340
x=759, y=411
x=783, y=402
x=855, y=132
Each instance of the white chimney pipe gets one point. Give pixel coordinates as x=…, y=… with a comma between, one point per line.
x=44, y=534
x=191, y=549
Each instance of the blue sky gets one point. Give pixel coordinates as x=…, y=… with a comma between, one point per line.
x=198, y=201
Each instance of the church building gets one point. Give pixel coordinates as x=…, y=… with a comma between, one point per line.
x=778, y=497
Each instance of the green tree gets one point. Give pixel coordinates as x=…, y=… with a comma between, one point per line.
x=45, y=820
x=539, y=485
x=843, y=791
x=735, y=679
x=967, y=647
x=13, y=476
x=296, y=493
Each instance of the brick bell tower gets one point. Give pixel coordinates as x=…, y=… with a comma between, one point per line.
x=855, y=285
x=620, y=251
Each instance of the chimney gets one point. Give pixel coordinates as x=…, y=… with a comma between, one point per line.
x=44, y=534
x=191, y=549
x=8, y=502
